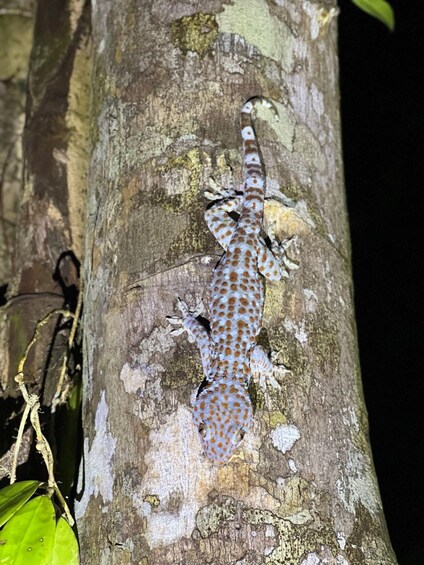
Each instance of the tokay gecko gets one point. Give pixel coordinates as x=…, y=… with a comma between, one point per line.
x=222, y=409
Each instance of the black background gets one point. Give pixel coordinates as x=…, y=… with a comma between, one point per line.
x=382, y=116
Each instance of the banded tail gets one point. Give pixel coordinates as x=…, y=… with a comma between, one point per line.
x=254, y=174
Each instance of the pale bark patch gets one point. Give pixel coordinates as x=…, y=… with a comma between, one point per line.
x=96, y=476
x=284, y=437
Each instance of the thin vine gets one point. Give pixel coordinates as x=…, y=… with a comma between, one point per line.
x=32, y=404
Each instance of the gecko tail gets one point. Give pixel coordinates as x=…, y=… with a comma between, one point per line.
x=251, y=103
x=252, y=162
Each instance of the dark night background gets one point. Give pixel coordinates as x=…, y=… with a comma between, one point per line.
x=382, y=115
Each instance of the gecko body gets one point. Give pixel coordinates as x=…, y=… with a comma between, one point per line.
x=222, y=409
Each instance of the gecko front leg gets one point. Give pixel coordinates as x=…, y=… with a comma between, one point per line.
x=264, y=366
x=196, y=331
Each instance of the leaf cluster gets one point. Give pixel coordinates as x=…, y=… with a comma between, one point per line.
x=32, y=532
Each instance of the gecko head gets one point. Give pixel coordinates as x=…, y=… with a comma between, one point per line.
x=222, y=415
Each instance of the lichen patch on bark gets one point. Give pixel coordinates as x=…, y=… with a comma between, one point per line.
x=195, y=33
x=253, y=21
x=96, y=473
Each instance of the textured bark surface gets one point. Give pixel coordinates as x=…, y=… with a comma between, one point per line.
x=169, y=83
x=52, y=202
x=16, y=25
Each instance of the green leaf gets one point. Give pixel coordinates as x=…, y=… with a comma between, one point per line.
x=379, y=9
x=28, y=537
x=65, y=549
x=14, y=496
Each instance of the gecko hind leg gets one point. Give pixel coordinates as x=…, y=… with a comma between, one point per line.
x=218, y=216
x=274, y=263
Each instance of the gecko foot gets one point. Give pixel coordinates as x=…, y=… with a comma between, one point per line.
x=280, y=251
x=265, y=367
x=217, y=191
x=187, y=315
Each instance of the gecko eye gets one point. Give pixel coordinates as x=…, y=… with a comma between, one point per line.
x=238, y=436
x=202, y=429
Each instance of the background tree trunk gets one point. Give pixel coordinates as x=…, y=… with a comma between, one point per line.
x=49, y=238
x=16, y=26
x=169, y=83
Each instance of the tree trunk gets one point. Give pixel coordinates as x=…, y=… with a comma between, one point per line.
x=49, y=240
x=15, y=45
x=50, y=230
x=168, y=85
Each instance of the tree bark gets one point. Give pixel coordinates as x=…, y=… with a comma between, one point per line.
x=168, y=85
x=15, y=45
x=50, y=228
x=49, y=240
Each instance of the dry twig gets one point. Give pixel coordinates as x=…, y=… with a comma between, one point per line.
x=32, y=406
